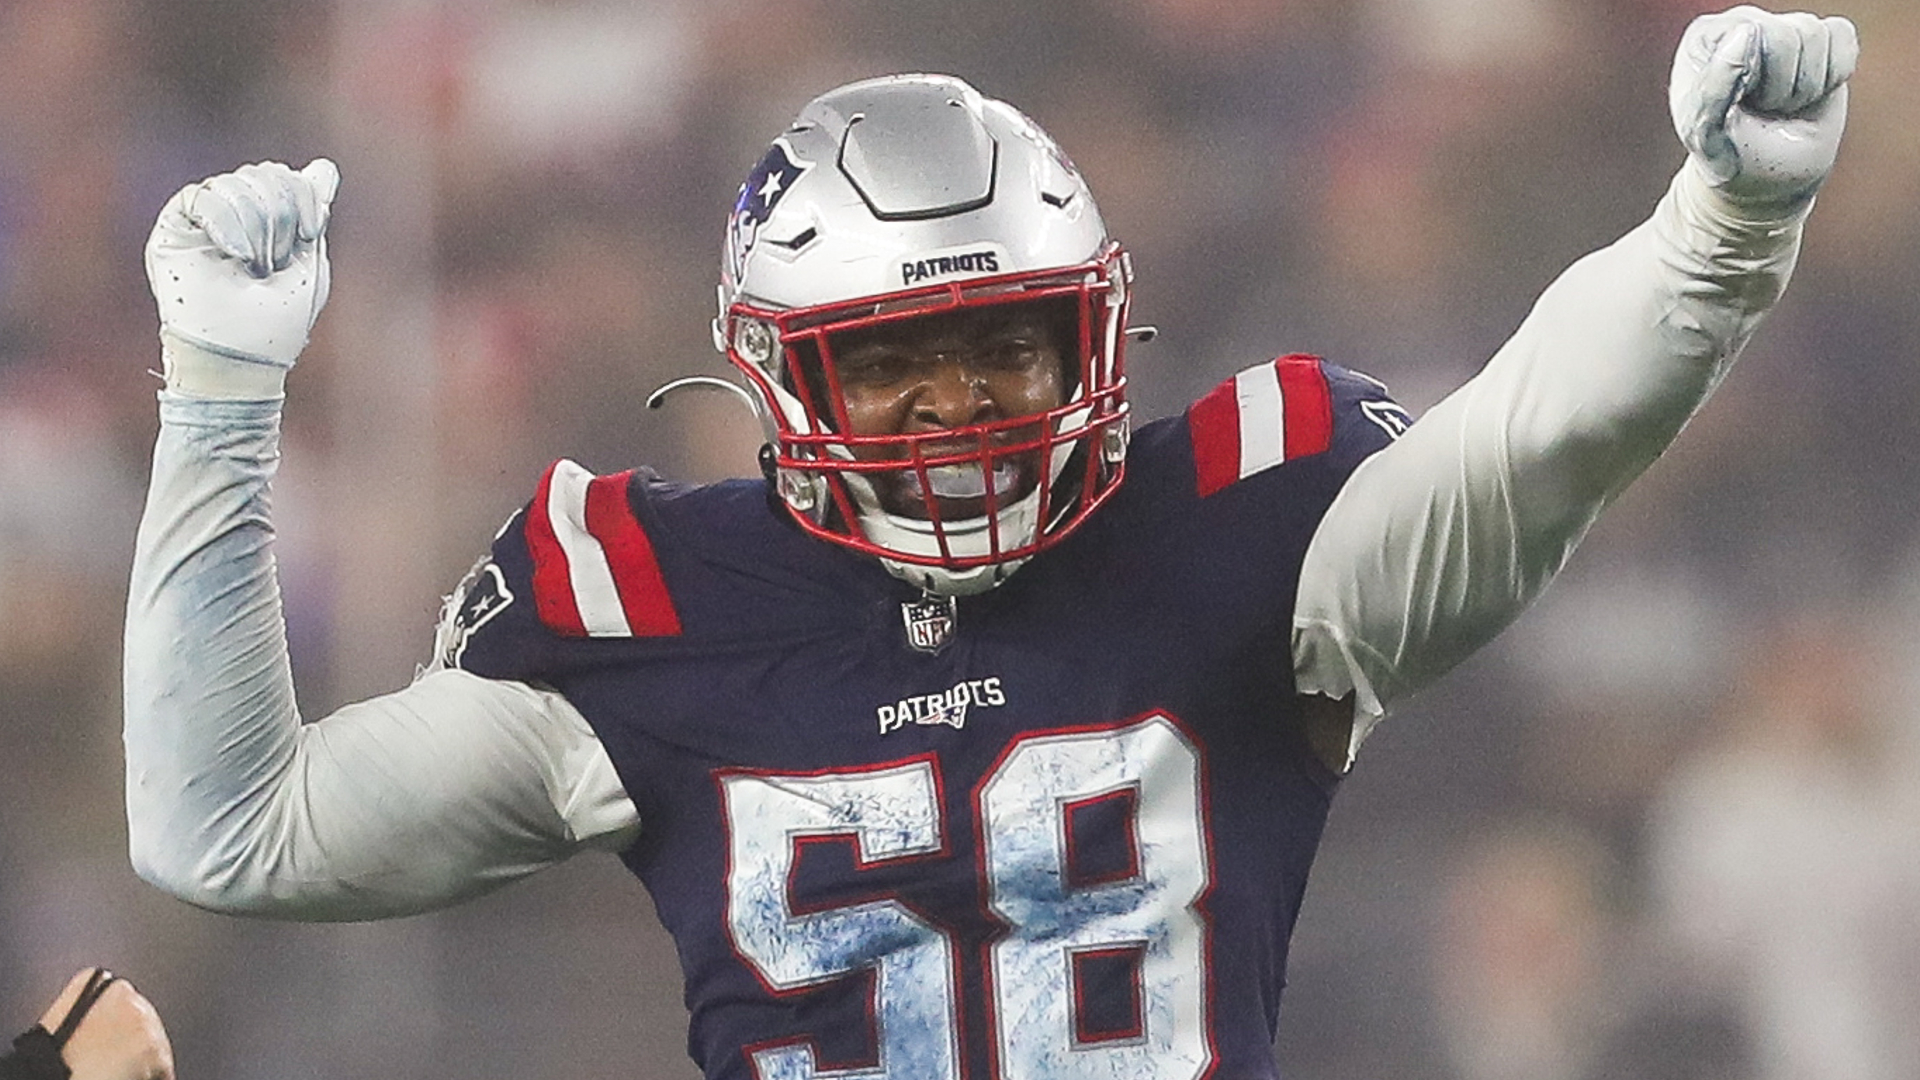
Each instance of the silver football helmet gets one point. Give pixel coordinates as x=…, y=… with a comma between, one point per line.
x=897, y=199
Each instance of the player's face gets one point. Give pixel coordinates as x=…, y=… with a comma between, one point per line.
x=944, y=373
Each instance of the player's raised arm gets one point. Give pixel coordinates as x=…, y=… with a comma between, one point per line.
x=1436, y=543
x=394, y=805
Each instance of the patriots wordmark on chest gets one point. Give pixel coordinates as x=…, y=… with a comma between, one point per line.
x=947, y=707
x=930, y=621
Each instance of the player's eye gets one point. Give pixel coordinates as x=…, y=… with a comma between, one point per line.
x=1013, y=355
x=876, y=367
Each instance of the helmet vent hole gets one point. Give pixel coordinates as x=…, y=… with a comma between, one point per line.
x=1057, y=201
x=801, y=239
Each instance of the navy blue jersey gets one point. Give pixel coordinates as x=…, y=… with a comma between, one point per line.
x=1061, y=830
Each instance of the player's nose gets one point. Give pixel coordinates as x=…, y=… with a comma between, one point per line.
x=952, y=395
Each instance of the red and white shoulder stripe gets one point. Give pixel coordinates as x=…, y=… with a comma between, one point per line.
x=594, y=570
x=1264, y=416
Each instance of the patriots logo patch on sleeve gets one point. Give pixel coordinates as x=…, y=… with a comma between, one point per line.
x=483, y=595
x=1387, y=416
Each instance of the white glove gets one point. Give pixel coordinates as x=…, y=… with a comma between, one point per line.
x=1760, y=100
x=238, y=267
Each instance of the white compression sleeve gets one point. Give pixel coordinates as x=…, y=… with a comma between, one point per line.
x=403, y=803
x=1440, y=540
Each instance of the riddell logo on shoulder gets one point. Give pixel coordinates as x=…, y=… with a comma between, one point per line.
x=947, y=707
x=982, y=261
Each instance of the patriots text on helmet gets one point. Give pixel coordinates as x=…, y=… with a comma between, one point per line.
x=971, y=262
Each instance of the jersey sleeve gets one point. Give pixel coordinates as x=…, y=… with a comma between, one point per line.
x=1227, y=497
x=1436, y=544
x=1294, y=408
x=575, y=563
x=405, y=802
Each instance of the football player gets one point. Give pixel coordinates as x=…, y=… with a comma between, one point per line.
x=989, y=733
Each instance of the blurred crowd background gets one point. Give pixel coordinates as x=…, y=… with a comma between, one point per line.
x=1668, y=826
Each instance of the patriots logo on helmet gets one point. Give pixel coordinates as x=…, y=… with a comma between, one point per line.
x=766, y=185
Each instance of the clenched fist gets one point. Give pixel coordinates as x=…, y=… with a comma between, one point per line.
x=1760, y=100
x=238, y=263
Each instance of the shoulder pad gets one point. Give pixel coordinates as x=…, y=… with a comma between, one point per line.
x=594, y=572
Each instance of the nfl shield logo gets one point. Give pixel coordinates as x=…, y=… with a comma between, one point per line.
x=929, y=622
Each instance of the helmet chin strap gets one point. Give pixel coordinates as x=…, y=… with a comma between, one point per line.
x=944, y=582
x=1018, y=524
x=968, y=537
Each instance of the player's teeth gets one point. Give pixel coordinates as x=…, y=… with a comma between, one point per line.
x=963, y=481
x=957, y=481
